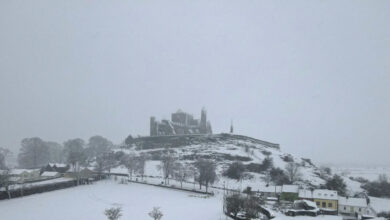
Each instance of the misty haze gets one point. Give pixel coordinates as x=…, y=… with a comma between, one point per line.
x=194, y=110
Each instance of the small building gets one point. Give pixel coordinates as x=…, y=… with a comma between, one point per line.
x=84, y=175
x=50, y=175
x=352, y=206
x=289, y=193
x=326, y=200
x=57, y=167
x=24, y=175
x=87, y=173
x=268, y=191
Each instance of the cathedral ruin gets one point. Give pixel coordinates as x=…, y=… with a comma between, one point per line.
x=181, y=123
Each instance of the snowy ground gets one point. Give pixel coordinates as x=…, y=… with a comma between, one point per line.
x=136, y=200
x=370, y=173
x=89, y=202
x=380, y=204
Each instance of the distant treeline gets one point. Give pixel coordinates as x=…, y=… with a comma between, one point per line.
x=378, y=188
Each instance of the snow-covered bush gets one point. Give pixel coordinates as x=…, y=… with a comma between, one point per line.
x=113, y=213
x=156, y=214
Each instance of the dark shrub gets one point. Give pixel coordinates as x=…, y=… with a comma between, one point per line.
x=119, y=155
x=260, y=168
x=308, y=161
x=235, y=171
x=377, y=188
x=288, y=158
x=336, y=183
x=266, y=153
x=278, y=176
x=384, y=215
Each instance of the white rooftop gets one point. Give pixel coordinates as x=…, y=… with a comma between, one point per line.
x=20, y=171
x=290, y=188
x=58, y=164
x=268, y=189
x=356, y=202
x=49, y=174
x=318, y=194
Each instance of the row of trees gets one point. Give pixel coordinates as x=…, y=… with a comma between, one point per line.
x=202, y=171
x=134, y=164
x=291, y=174
x=35, y=152
x=4, y=153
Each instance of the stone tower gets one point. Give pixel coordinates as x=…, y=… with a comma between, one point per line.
x=153, y=126
x=231, y=127
x=203, y=121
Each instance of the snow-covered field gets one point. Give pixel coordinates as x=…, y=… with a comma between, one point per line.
x=90, y=201
x=380, y=204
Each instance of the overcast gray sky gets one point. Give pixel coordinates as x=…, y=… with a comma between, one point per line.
x=313, y=76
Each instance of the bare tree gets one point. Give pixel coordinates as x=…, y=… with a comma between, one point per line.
x=110, y=161
x=267, y=177
x=382, y=178
x=193, y=172
x=113, y=213
x=233, y=204
x=55, y=152
x=105, y=162
x=167, y=166
x=293, y=172
x=156, y=214
x=4, y=152
x=129, y=140
x=74, y=151
x=207, y=174
x=140, y=166
x=98, y=146
x=100, y=165
x=5, y=180
x=181, y=173
x=34, y=153
x=325, y=172
x=4, y=170
x=130, y=162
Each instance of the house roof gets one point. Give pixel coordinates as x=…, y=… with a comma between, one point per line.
x=318, y=194
x=269, y=189
x=59, y=165
x=290, y=188
x=356, y=202
x=14, y=178
x=49, y=173
x=20, y=171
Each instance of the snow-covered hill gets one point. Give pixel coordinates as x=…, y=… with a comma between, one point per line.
x=224, y=149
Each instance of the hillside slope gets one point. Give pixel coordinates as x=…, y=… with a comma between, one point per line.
x=224, y=149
